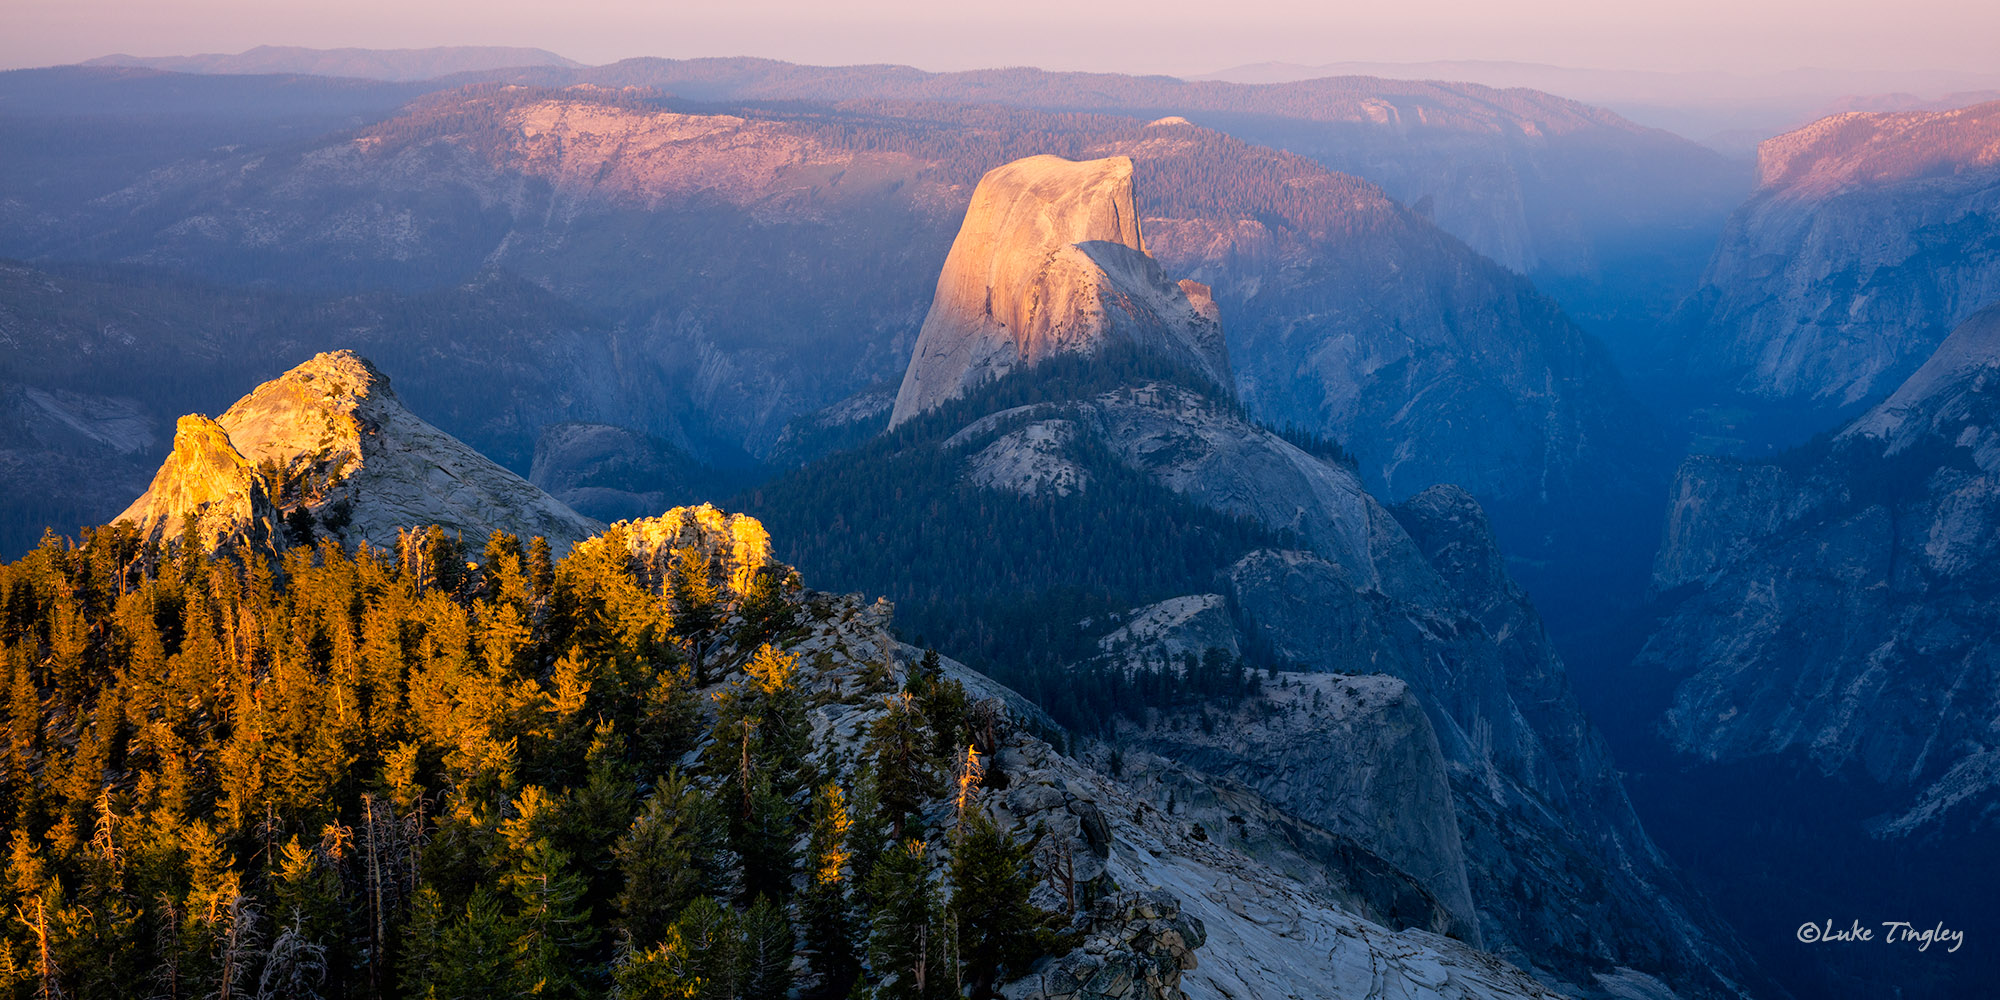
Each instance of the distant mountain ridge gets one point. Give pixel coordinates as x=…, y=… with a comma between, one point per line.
x=1542, y=188
x=1870, y=236
x=1534, y=180
x=1731, y=111
x=1525, y=177
x=1613, y=219
x=1861, y=149
x=394, y=65
x=706, y=254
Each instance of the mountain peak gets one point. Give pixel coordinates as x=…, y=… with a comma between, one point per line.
x=205, y=484
x=330, y=439
x=321, y=400
x=1050, y=260
x=1048, y=201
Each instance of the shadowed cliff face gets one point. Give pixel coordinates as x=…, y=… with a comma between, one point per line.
x=1537, y=798
x=1823, y=678
x=1870, y=236
x=1371, y=326
x=1352, y=755
x=1843, y=597
x=1418, y=593
x=330, y=438
x=1050, y=260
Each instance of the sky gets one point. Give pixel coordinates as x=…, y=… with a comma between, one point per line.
x=1180, y=37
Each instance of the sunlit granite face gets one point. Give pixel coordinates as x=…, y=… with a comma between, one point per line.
x=1050, y=260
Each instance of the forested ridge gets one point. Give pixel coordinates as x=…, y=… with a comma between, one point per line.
x=1018, y=586
x=411, y=773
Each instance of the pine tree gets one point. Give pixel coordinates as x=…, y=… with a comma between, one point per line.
x=307, y=885
x=503, y=610
x=501, y=562
x=108, y=928
x=948, y=713
x=674, y=851
x=205, y=909
x=712, y=943
x=24, y=730
x=991, y=881
x=562, y=740
x=868, y=836
x=669, y=716
x=783, y=731
x=698, y=959
x=36, y=902
x=899, y=751
x=909, y=940
x=767, y=608
x=761, y=730
x=552, y=926
x=597, y=812
x=541, y=572
x=502, y=635
x=419, y=949
x=829, y=934
x=768, y=944
x=384, y=667
x=966, y=779
x=764, y=840
x=475, y=954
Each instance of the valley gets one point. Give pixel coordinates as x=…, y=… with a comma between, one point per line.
x=1376, y=537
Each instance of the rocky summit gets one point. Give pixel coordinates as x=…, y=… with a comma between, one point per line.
x=1049, y=261
x=327, y=447
x=206, y=486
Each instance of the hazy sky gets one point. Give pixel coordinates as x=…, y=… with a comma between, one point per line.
x=1163, y=36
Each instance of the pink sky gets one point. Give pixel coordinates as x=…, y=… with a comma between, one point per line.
x=1162, y=36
